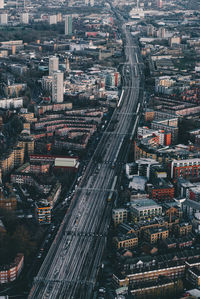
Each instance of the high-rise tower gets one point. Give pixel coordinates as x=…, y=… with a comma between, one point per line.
x=53, y=65
x=57, y=87
x=68, y=25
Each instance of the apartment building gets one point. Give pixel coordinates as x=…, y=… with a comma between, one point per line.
x=189, y=168
x=3, y=19
x=24, y=18
x=52, y=19
x=53, y=65
x=161, y=190
x=144, y=209
x=168, y=126
x=11, y=272
x=119, y=216
x=27, y=143
x=153, y=235
x=141, y=269
x=12, y=103
x=173, y=270
x=126, y=241
x=12, y=159
x=57, y=87
x=8, y=199
x=41, y=109
x=47, y=83
x=193, y=276
x=68, y=25
x=184, y=228
x=43, y=212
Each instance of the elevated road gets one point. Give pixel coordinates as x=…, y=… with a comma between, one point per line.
x=71, y=265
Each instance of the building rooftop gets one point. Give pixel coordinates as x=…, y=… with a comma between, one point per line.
x=153, y=230
x=122, y=237
x=195, y=270
x=144, y=203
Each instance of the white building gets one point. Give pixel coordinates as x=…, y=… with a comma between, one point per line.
x=53, y=65
x=52, y=19
x=24, y=18
x=145, y=208
x=57, y=87
x=11, y=103
x=1, y=4
x=3, y=19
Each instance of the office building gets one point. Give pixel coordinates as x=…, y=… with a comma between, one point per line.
x=53, y=65
x=57, y=87
x=68, y=25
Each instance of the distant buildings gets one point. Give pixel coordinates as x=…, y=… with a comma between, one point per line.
x=43, y=212
x=12, y=103
x=3, y=19
x=57, y=87
x=1, y=4
x=145, y=209
x=126, y=241
x=52, y=19
x=8, y=199
x=189, y=168
x=24, y=18
x=119, y=216
x=53, y=65
x=159, y=3
x=11, y=159
x=9, y=273
x=47, y=83
x=161, y=190
x=68, y=25
x=174, y=41
x=153, y=235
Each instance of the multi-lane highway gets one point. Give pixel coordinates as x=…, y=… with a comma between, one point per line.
x=71, y=265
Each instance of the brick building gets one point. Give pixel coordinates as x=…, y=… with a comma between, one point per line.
x=184, y=228
x=126, y=241
x=189, y=168
x=153, y=235
x=9, y=273
x=161, y=190
x=119, y=216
